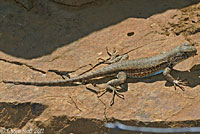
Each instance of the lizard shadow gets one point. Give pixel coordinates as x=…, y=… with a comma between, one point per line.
x=191, y=77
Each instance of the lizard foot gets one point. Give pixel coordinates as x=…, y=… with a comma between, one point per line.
x=113, y=57
x=179, y=83
x=114, y=92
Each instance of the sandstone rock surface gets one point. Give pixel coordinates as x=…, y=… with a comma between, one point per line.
x=36, y=36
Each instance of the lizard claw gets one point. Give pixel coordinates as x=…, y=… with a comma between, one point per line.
x=115, y=92
x=101, y=60
x=101, y=92
x=180, y=84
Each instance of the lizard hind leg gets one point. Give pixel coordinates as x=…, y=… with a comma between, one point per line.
x=112, y=84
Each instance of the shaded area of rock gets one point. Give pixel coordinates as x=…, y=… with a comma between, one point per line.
x=27, y=4
x=16, y=115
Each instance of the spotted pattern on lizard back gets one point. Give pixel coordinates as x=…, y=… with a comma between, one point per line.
x=145, y=72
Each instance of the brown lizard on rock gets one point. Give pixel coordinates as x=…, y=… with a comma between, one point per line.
x=137, y=68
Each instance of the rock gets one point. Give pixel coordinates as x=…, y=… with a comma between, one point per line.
x=57, y=37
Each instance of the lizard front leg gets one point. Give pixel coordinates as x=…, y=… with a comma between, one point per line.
x=169, y=78
x=112, y=84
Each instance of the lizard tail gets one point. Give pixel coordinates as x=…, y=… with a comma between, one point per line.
x=39, y=83
x=70, y=81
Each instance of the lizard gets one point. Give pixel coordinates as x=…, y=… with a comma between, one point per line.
x=123, y=69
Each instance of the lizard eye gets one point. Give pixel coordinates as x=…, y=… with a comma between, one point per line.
x=186, y=44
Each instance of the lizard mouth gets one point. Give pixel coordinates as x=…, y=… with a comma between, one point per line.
x=192, y=54
x=188, y=55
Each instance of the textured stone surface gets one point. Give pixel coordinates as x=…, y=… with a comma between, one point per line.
x=56, y=36
x=27, y=4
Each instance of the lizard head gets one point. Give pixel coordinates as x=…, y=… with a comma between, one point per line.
x=187, y=50
x=182, y=52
